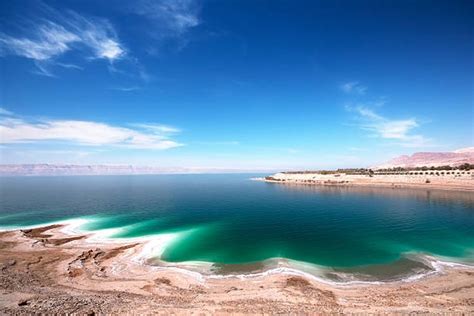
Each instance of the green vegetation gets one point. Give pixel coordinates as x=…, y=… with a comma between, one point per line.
x=325, y=172
x=396, y=170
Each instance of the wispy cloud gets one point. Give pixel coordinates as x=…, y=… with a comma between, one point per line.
x=173, y=18
x=169, y=21
x=59, y=33
x=353, y=87
x=5, y=112
x=98, y=35
x=86, y=133
x=48, y=41
x=159, y=128
x=400, y=130
x=126, y=89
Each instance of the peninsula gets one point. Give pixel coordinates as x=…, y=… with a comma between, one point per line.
x=448, y=171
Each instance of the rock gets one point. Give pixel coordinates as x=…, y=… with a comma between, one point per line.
x=23, y=303
x=8, y=263
x=164, y=281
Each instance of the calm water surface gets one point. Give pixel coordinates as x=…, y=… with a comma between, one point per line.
x=232, y=221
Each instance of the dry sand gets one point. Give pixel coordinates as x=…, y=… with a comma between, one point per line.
x=45, y=271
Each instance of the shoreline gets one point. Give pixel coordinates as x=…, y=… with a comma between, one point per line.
x=459, y=186
x=151, y=246
x=395, y=185
x=95, y=267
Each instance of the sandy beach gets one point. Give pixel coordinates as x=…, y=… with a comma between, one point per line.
x=45, y=270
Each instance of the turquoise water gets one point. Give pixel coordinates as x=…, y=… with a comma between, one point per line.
x=234, y=222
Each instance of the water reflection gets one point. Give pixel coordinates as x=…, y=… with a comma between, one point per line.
x=436, y=196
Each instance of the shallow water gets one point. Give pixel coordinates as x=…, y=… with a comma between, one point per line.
x=237, y=224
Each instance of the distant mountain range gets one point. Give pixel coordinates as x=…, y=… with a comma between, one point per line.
x=65, y=169
x=420, y=159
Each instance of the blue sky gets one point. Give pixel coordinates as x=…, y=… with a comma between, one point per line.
x=234, y=84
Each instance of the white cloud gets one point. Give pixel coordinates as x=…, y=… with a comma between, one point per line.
x=49, y=41
x=126, y=89
x=98, y=35
x=88, y=133
x=5, y=112
x=353, y=87
x=171, y=17
x=398, y=130
x=63, y=32
x=159, y=128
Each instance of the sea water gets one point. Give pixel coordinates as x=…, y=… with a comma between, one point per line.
x=236, y=226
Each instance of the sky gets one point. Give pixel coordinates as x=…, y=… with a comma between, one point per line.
x=252, y=85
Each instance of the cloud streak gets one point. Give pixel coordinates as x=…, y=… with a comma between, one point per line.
x=400, y=130
x=5, y=112
x=353, y=87
x=173, y=18
x=159, y=128
x=86, y=133
x=49, y=41
x=126, y=89
x=60, y=33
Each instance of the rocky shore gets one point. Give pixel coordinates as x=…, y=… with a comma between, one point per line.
x=46, y=271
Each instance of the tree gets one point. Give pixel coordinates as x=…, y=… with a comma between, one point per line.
x=466, y=166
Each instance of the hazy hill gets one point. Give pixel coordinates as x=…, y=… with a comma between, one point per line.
x=420, y=159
